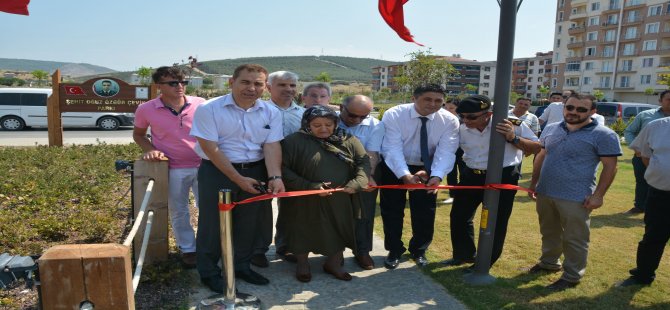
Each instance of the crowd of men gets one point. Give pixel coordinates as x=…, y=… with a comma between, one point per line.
x=233, y=142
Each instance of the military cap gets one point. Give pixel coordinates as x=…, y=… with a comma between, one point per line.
x=474, y=104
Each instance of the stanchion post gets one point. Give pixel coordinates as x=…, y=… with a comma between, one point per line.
x=231, y=299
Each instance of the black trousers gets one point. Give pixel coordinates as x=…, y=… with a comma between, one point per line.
x=252, y=223
x=656, y=235
x=452, y=177
x=392, y=205
x=465, y=205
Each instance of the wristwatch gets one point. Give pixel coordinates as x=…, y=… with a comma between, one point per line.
x=514, y=140
x=274, y=177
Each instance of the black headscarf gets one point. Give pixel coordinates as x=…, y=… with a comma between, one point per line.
x=332, y=142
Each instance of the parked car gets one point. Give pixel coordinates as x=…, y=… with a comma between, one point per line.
x=27, y=107
x=621, y=110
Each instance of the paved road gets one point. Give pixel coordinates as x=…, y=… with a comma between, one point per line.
x=40, y=136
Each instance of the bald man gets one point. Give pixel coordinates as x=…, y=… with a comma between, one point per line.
x=355, y=119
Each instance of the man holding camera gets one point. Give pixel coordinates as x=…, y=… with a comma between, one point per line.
x=475, y=133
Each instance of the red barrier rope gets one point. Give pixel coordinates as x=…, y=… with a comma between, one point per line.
x=226, y=207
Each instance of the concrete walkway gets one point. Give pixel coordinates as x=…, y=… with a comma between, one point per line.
x=403, y=288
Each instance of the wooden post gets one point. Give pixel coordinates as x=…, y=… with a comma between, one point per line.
x=157, y=249
x=54, y=122
x=98, y=273
x=153, y=91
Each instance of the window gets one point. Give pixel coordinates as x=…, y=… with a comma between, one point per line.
x=649, y=45
x=487, y=76
x=559, y=29
x=626, y=65
x=554, y=82
x=614, y=4
x=608, y=51
x=530, y=87
x=604, y=82
x=633, y=16
x=633, y=2
x=383, y=69
x=588, y=65
x=573, y=81
x=594, y=21
x=539, y=79
x=624, y=81
x=530, y=71
x=485, y=84
x=558, y=42
x=555, y=69
x=532, y=63
x=530, y=79
x=590, y=51
x=610, y=35
x=557, y=55
x=645, y=79
x=560, y=16
x=592, y=36
x=655, y=10
x=631, y=33
x=561, y=3
x=487, y=69
x=595, y=6
x=540, y=71
x=586, y=81
x=647, y=62
x=612, y=19
x=652, y=28
x=572, y=66
x=607, y=66
x=629, y=49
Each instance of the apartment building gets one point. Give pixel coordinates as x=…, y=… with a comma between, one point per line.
x=532, y=73
x=618, y=47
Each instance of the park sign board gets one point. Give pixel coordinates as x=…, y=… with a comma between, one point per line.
x=102, y=94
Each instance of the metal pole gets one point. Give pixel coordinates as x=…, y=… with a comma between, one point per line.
x=480, y=276
x=230, y=299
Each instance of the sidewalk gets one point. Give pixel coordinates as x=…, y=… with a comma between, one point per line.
x=403, y=288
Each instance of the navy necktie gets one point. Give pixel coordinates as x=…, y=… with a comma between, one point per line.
x=425, y=157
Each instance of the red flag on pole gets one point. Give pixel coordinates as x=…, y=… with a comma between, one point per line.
x=14, y=6
x=391, y=11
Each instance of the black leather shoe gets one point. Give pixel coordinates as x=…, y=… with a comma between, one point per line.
x=251, y=276
x=259, y=260
x=561, y=285
x=632, y=281
x=539, y=269
x=391, y=261
x=457, y=262
x=286, y=256
x=215, y=283
x=421, y=260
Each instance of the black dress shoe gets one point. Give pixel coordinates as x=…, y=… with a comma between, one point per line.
x=561, y=285
x=392, y=261
x=259, y=260
x=215, y=283
x=539, y=269
x=286, y=256
x=457, y=262
x=251, y=276
x=632, y=281
x=421, y=260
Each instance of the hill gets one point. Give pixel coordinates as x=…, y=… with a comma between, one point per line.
x=67, y=68
x=307, y=67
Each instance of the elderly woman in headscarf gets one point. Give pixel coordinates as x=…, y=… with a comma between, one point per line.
x=321, y=156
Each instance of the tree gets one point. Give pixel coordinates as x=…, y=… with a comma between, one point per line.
x=40, y=75
x=664, y=78
x=544, y=90
x=649, y=92
x=144, y=73
x=471, y=89
x=598, y=94
x=424, y=68
x=323, y=77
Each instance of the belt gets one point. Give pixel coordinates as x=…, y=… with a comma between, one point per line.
x=248, y=165
x=479, y=171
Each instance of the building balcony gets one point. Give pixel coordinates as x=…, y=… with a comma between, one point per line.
x=629, y=6
x=611, y=9
x=578, y=15
x=576, y=3
x=665, y=33
x=572, y=72
x=632, y=21
x=627, y=69
x=573, y=58
x=601, y=86
x=664, y=50
x=576, y=44
x=606, y=55
x=609, y=24
x=629, y=52
x=576, y=30
x=604, y=72
x=624, y=86
x=629, y=38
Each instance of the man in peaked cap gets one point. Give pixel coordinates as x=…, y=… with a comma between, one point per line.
x=474, y=139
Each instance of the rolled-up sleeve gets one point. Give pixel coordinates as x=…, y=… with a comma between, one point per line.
x=445, y=153
x=392, y=146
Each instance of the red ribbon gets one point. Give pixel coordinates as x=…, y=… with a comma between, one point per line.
x=227, y=207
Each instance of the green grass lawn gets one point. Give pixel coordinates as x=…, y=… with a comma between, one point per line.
x=614, y=238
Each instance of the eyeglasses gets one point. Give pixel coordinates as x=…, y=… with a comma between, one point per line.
x=174, y=83
x=351, y=115
x=571, y=108
x=471, y=117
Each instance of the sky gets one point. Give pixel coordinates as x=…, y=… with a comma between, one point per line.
x=127, y=34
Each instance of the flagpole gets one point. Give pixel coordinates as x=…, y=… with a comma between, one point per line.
x=506, y=30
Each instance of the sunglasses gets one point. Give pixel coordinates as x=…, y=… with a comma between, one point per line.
x=471, y=117
x=174, y=83
x=571, y=108
x=351, y=115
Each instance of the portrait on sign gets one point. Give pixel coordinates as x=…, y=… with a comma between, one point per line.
x=106, y=88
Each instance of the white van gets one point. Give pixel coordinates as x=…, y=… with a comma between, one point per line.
x=27, y=107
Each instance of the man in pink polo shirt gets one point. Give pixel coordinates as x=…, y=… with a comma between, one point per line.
x=170, y=117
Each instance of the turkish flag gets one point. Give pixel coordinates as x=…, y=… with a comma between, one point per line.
x=14, y=6
x=74, y=90
x=391, y=11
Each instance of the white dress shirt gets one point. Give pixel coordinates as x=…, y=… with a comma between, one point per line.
x=401, y=145
x=553, y=113
x=239, y=134
x=370, y=131
x=475, y=145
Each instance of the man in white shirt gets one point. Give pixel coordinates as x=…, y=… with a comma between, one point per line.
x=419, y=148
x=554, y=112
x=520, y=111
